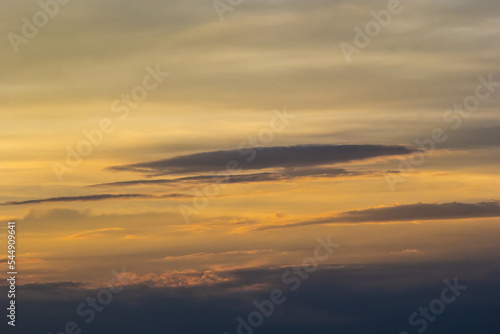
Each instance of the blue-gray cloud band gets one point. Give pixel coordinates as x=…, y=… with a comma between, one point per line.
x=264, y=157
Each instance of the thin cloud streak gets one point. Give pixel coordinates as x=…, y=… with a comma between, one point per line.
x=92, y=198
x=264, y=157
x=245, y=178
x=209, y=255
x=93, y=233
x=398, y=213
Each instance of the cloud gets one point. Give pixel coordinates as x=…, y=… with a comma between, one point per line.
x=406, y=251
x=285, y=175
x=422, y=36
x=71, y=221
x=77, y=199
x=93, y=233
x=209, y=255
x=53, y=286
x=480, y=134
x=40, y=217
x=92, y=198
x=397, y=213
x=333, y=299
x=264, y=157
x=136, y=237
x=187, y=278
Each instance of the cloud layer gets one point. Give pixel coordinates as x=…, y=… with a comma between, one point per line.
x=102, y=197
x=264, y=157
x=286, y=175
x=333, y=299
x=401, y=213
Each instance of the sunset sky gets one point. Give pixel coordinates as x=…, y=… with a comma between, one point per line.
x=207, y=156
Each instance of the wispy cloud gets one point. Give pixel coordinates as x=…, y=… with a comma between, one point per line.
x=406, y=212
x=209, y=255
x=77, y=198
x=187, y=278
x=93, y=233
x=285, y=175
x=92, y=198
x=264, y=157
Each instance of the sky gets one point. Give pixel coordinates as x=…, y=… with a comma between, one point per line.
x=200, y=149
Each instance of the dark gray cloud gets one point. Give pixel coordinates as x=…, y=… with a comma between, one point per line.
x=244, y=178
x=407, y=212
x=334, y=299
x=483, y=134
x=422, y=211
x=264, y=157
x=215, y=61
x=90, y=198
x=77, y=199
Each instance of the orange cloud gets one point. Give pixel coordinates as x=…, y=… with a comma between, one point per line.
x=177, y=278
x=93, y=233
